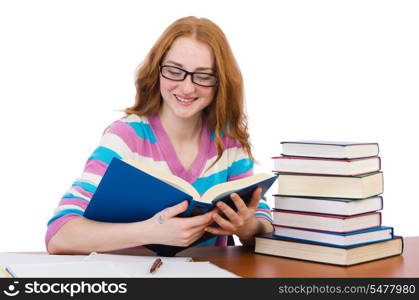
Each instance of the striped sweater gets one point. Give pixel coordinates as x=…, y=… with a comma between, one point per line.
x=144, y=139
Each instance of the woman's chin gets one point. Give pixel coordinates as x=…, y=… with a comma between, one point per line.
x=185, y=115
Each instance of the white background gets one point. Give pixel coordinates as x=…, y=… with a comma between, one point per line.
x=326, y=70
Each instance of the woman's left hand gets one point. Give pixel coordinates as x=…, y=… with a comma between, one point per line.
x=242, y=222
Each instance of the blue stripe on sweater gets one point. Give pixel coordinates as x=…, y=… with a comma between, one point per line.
x=239, y=167
x=212, y=134
x=204, y=183
x=85, y=186
x=263, y=205
x=104, y=154
x=143, y=130
x=267, y=217
x=209, y=242
x=72, y=196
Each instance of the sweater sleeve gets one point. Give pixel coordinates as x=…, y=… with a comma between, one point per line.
x=115, y=142
x=241, y=166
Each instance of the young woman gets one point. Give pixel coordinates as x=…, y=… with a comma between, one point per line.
x=188, y=119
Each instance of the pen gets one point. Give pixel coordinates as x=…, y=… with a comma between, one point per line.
x=156, y=264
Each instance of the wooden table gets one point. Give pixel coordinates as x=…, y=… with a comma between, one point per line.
x=243, y=262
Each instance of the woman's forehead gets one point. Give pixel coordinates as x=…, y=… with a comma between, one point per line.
x=190, y=54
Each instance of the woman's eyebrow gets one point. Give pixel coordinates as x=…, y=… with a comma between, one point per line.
x=181, y=66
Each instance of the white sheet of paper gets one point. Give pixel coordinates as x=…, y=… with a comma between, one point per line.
x=116, y=258
x=7, y=258
x=176, y=269
x=67, y=269
x=106, y=265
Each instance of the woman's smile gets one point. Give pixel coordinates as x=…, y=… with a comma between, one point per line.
x=185, y=99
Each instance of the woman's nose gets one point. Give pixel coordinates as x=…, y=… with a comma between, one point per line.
x=187, y=86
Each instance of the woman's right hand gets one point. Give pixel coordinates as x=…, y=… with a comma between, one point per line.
x=168, y=229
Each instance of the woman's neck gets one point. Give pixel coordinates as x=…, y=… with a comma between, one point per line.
x=180, y=130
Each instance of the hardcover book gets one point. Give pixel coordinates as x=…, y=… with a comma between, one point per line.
x=348, y=239
x=326, y=149
x=271, y=245
x=323, y=222
x=326, y=166
x=333, y=206
x=354, y=187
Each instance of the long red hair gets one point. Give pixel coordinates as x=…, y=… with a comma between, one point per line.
x=226, y=112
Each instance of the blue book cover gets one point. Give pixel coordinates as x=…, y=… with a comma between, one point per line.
x=129, y=194
x=341, y=240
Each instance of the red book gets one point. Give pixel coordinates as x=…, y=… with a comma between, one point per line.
x=323, y=222
x=326, y=166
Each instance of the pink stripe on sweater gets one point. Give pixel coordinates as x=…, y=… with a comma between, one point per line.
x=228, y=144
x=74, y=201
x=56, y=224
x=95, y=166
x=134, y=142
x=263, y=210
x=82, y=191
x=263, y=217
x=240, y=176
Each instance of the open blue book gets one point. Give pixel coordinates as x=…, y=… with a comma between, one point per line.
x=130, y=191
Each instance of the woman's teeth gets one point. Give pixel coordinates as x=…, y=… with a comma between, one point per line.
x=185, y=100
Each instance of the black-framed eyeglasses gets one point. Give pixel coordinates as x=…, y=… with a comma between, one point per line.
x=178, y=74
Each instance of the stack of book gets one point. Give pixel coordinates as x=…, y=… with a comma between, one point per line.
x=328, y=205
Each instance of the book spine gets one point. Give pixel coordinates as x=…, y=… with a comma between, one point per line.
x=325, y=215
x=328, y=231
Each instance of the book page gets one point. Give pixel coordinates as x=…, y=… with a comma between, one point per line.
x=231, y=186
